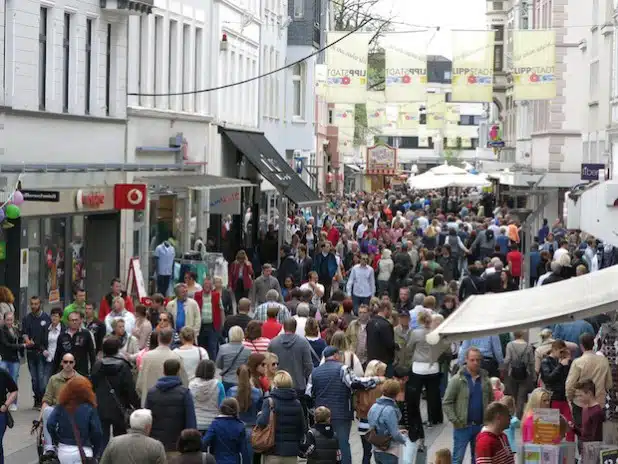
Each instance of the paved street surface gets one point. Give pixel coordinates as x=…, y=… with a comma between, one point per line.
x=20, y=448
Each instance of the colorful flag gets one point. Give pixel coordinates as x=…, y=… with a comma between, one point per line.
x=435, y=110
x=347, y=67
x=343, y=115
x=473, y=66
x=534, y=65
x=405, y=66
x=376, y=109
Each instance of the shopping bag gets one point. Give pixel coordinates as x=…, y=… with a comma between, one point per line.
x=421, y=455
x=407, y=452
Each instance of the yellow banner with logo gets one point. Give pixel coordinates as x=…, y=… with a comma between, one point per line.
x=466, y=142
x=435, y=110
x=534, y=65
x=473, y=66
x=405, y=66
x=347, y=67
x=345, y=141
x=343, y=115
x=409, y=116
x=452, y=113
x=376, y=109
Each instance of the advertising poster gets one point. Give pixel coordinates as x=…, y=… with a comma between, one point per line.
x=435, y=110
x=347, y=67
x=343, y=116
x=405, y=69
x=534, y=65
x=473, y=66
x=376, y=110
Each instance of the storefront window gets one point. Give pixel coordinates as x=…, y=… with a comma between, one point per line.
x=34, y=257
x=78, y=270
x=54, y=230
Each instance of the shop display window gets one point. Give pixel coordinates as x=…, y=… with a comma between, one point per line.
x=54, y=230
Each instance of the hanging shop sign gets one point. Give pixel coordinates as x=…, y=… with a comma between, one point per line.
x=130, y=196
x=41, y=195
x=590, y=171
x=534, y=65
x=343, y=115
x=435, y=110
x=473, y=65
x=405, y=67
x=225, y=201
x=85, y=199
x=376, y=110
x=347, y=67
x=345, y=141
x=381, y=159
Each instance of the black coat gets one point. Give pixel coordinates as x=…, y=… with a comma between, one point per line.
x=471, y=285
x=289, y=422
x=380, y=340
x=554, y=375
x=114, y=372
x=288, y=268
x=10, y=345
x=81, y=346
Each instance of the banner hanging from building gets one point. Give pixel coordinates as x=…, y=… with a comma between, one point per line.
x=405, y=66
x=321, y=73
x=423, y=141
x=345, y=141
x=381, y=159
x=435, y=109
x=473, y=66
x=343, y=115
x=452, y=113
x=534, y=65
x=347, y=67
x=409, y=116
x=451, y=142
x=466, y=142
x=376, y=110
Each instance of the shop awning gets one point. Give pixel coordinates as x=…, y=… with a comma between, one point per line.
x=353, y=167
x=195, y=181
x=265, y=158
x=565, y=301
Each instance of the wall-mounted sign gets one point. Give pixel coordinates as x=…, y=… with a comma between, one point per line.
x=89, y=199
x=225, y=201
x=41, y=195
x=130, y=196
x=590, y=171
x=381, y=159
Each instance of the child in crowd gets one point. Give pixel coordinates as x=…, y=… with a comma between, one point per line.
x=443, y=456
x=509, y=402
x=321, y=443
x=593, y=415
x=498, y=388
x=492, y=445
x=226, y=437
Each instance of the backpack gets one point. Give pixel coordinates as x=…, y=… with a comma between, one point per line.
x=489, y=235
x=519, y=370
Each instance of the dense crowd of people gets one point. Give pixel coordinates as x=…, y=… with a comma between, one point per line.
x=281, y=363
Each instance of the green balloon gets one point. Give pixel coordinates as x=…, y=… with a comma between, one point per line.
x=12, y=211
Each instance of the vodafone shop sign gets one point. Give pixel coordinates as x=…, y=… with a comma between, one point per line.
x=89, y=199
x=130, y=196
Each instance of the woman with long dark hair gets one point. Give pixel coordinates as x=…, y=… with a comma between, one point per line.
x=257, y=369
x=10, y=348
x=76, y=411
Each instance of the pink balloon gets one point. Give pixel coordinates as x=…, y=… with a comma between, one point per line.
x=18, y=198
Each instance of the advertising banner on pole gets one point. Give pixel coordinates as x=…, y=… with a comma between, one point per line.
x=534, y=65
x=343, y=115
x=473, y=66
x=466, y=142
x=321, y=73
x=376, y=109
x=345, y=141
x=409, y=116
x=435, y=110
x=347, y=67
x=405, y=66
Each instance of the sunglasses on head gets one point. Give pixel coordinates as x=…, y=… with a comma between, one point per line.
x=274, y=364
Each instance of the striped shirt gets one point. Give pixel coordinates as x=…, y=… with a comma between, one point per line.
x=493, y=449
x=259, y=345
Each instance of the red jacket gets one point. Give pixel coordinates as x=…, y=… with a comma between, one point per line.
x=106, y=305
x=271, y=328
x=493, y=449
x=332, y=235
x=215, y=299
x=247, y=277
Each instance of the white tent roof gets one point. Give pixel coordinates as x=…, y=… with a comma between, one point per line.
x=428, y=181
x=564, y=301
x=445, y=169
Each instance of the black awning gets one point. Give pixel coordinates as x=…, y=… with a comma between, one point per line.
x=265, y=158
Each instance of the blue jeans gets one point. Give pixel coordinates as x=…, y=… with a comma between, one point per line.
x=2, y=430
x=208, y=339
x=37, y=365
x=359, y=300
x=12, y=368
x=385, y=458
x=461, y=438
x=342, y=429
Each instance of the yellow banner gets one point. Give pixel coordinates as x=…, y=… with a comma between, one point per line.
x=534, y=65
x=423, y=141
x=435, y=110
x=451, y=142
x=345, y=141
x=409, y=116
x=473, y=66
x=376, y=109
x=451, y=129
x=452, y=113
x=405, y=66
x=321, y=73
x=343, y=115
x=466, y=142
x=347, y=67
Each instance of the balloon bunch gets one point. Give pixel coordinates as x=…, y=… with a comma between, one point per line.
x=10, y=209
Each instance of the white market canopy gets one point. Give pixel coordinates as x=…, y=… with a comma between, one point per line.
x=444, y=176
x=565, y=301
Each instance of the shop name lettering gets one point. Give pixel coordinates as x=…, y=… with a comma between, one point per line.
x=226, y=199
x=354, y=56
x=534, y=69
x=347, y=73
x=93, y=199
x=406, y=72
x=475, y=71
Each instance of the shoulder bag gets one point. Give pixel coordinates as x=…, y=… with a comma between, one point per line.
x=263, y=438
x=233, y=361
x=381, y=442
x=126, y=412
x=78, y=440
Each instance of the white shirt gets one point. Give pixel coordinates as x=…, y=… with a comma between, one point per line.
x=315, y=300
x=165, y=262
x=360, y=231
x=361, y=282
x=191, y=357
x=558, y=253
x=129, y=321
x=52, y=341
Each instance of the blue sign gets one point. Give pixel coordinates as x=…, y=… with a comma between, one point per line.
x=590, y=171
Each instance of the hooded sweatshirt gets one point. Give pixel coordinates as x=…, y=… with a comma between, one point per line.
x=207, y=397
x=227, y=439
x=294, y=354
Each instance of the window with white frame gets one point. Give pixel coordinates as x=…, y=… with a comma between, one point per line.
x=274, y=96
x=299, y=9
x=266, y=83
x=298, y=85
x=199, y=68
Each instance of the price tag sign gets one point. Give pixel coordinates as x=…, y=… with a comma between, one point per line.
x=608, y=456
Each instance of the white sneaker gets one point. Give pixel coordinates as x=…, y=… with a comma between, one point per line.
x=13, y=407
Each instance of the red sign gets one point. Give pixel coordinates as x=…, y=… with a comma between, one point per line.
x=85, y=199
x=130, y=196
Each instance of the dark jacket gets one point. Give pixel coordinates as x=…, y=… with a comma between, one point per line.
x=321, y=445
x=325, y=266
x=113, y=372
x=554, y=375
x=79, y=345
x=288, y=267
x=87, y=421
x=98, y=331
x=227, y=440
x=193, y=458
x=36, y=329
x=289, y=421
x=328, y=390
x=380, y=340
x=471, y=285
x=172, y=410
x=10, y=345
x=305, y=267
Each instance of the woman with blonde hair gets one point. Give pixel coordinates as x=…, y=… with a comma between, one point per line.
x=540, y=398
x=6, y=301
x=350, y=359
x=364, y=400
x=272, y=366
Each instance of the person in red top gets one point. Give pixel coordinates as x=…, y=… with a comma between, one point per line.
x=593, y=414
x=106, y=302
x=209, y=302
x=240, y=276
x=332, y=234
x=492, y=444
x=515, y=259
x=271, y=328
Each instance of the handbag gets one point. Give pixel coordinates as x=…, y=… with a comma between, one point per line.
x=126, y=412
x=381, y=442
x=10, y=422
x=263, y=438
x=78, y=440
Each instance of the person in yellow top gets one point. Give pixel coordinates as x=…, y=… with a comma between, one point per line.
x=79, y=304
